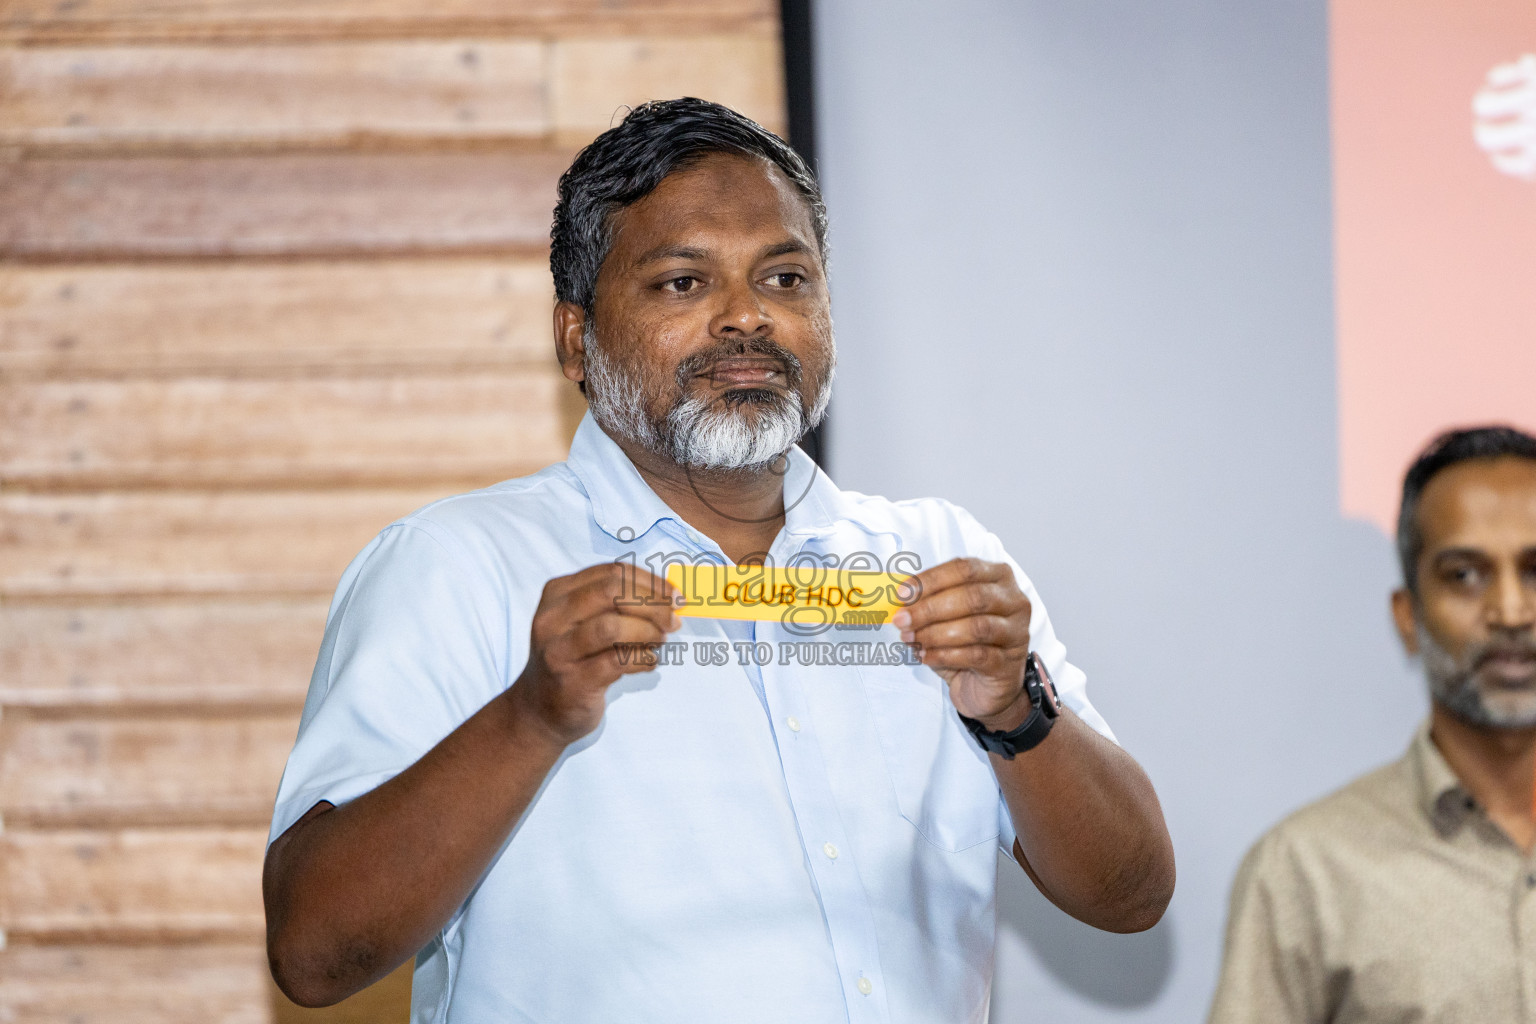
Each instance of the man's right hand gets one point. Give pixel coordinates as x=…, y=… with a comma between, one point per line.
x=582, y=622
x=352, y=891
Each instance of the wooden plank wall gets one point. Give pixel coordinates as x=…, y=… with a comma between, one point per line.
x=272, y=273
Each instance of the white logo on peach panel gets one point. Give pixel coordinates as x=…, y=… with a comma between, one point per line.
x=1504, y=112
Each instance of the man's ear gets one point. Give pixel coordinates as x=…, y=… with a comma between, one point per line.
x=1406, y=618
x=570, y=322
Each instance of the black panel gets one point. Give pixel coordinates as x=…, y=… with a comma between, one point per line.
x=800, y=103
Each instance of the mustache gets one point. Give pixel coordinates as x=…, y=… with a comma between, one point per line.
x=701, y=363
x=1522, y=645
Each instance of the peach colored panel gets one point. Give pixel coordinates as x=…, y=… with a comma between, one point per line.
x=1435, y=245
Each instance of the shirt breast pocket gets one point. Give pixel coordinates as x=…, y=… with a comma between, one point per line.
x=943, y=783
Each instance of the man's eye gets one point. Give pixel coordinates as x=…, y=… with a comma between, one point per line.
x=680, y=284
x=1464, y=575
x=785, y=279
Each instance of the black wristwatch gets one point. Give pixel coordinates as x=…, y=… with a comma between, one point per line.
x=1047, y=706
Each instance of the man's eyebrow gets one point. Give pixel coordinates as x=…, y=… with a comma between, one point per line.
x=785, y=248
x=1460, y=552
x=672, y=252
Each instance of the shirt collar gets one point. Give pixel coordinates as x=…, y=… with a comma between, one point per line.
x=1442, y=797
x=623, y=504
x=625, y=507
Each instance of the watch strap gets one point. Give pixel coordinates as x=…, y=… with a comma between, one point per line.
x=1034, y=729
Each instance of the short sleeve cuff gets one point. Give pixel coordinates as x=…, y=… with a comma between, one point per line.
x=338, y=792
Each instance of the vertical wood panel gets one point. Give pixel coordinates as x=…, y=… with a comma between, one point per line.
x=146, y=654
x=189, y=542
x=213, y=316
x=282, y=204
x=203, y=983
x=132, y=884
x=304, y=94
x=186, y=983
x=134, y=20
x=592, y=80
x=329, y=431
x=141, y=769
x=276, y=277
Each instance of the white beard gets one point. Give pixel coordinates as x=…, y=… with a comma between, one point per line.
x=693, y=433
x=1454, y=685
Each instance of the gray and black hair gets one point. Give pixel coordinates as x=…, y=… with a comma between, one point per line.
x=626, y=163
x=1445, y=451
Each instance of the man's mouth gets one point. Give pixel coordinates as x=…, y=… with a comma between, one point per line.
x=1510, y=668
x=745, y=371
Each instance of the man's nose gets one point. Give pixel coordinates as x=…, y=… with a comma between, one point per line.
x=741, y=313
x=1511, y=601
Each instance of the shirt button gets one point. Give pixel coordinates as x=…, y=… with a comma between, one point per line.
x=793, y=723
x=1530, y=881
x=866, y=986
x=829, y=850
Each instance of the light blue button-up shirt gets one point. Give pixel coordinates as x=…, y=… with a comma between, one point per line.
x=798, y=840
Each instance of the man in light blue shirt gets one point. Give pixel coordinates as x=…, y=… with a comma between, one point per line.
x=518, y=763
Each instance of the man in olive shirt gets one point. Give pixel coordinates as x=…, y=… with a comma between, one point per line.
x=1410, y=894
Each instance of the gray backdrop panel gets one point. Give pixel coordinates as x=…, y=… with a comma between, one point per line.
x=1083, y=286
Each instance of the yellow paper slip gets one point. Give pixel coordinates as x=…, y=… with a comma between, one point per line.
x=803, y=596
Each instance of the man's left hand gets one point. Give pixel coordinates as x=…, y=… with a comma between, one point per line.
x=971, y=622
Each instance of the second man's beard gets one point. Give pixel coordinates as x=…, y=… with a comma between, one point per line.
x=739, y=429
x=1455, y=684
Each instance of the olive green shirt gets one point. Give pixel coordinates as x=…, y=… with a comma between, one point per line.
x=1396, y=899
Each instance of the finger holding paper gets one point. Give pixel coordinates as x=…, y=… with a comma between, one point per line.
x=582, y=623
x=971, y=623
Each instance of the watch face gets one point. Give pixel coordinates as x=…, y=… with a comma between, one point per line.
x=1048, y=698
